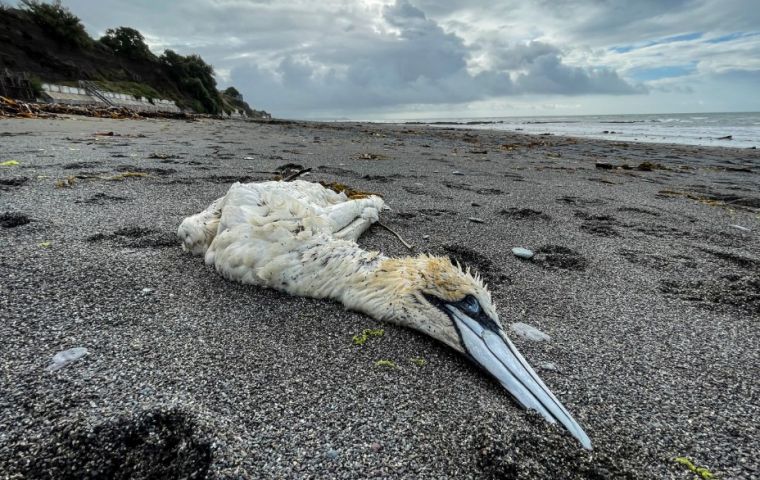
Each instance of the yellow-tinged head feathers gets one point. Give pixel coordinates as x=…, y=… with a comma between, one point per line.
x=399, y=290
x=437, y=276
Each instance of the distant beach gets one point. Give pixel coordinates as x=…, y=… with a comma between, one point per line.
x=646, y=278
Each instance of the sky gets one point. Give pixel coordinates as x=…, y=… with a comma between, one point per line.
x=406, y=59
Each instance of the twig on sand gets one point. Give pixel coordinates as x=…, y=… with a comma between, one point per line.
x=410, y=247
x=295, y=175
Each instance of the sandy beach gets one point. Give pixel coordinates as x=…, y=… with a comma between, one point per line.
x=647, y=279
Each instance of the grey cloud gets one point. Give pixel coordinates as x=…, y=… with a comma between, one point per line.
x=300, y=56
x=422, y=64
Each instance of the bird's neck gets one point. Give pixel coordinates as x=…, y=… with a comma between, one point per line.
x=364, y=281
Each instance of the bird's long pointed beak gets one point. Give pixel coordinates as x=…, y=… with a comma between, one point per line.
x=493, y=351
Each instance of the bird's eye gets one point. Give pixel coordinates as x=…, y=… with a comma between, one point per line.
x=470, y=305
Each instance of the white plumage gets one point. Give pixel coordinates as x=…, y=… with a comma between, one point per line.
x=288, y=236
x=300, y=237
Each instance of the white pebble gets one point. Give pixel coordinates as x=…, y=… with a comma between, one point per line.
x=61, y=359
x=522, y=252
x=548, y=366
x=529, y=332
x=743, y=229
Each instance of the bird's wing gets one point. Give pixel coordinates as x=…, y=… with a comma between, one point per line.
x=197, y=231
x=257, y=223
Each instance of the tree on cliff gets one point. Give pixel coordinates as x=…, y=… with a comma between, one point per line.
x=127, y=42
x=59, y=21
x=196, y=77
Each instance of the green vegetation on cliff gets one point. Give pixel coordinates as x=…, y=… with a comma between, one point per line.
x=48, y=41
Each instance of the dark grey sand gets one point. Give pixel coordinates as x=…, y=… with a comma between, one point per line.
x=651, y=297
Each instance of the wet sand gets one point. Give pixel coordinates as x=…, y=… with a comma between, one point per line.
x=649, y=291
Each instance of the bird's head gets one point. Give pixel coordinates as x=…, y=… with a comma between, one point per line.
x=452, y=305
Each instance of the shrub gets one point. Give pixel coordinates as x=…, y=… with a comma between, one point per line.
x=36, y=84
x=58, y=21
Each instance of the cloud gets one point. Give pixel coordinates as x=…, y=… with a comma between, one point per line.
x=415, y=61
x=340, y=57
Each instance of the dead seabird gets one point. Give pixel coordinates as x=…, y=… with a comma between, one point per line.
x=300, y=237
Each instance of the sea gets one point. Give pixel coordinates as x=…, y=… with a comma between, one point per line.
x=737, y=130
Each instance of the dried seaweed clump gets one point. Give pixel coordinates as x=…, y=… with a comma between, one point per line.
x=351, y=193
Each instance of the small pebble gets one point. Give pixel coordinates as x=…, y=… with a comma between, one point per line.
x=65, y=357
x=548, y=366
x=376, y=447
x=743, y=229
x=475, y=204
x=147, y=290
x=476, y=220
x=332, y=454
x=529, y=332
x=457, y=172
x=522, y=253
x=425, y=237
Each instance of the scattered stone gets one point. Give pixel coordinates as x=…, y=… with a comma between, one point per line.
x=604, y=165
x=332, y=454
x=65, y=357
x=426, y=237
x=727, y=137
x=375, y=447
x=457, y=172
x=475, y=204
x=476, y=220
x=371, y=156
x=522, y=253
x=147, y=291
x=529, y=332
x=552, y=367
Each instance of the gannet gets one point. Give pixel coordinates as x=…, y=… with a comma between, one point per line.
x=300, y=237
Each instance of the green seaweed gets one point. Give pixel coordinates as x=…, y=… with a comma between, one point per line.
x=386, y=363
x=703, y=472
x=362, y=338
x=418, y=361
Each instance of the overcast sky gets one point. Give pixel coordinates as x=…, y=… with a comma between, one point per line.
x=369, y=59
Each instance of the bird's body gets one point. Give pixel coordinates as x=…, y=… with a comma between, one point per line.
x=300, y=237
